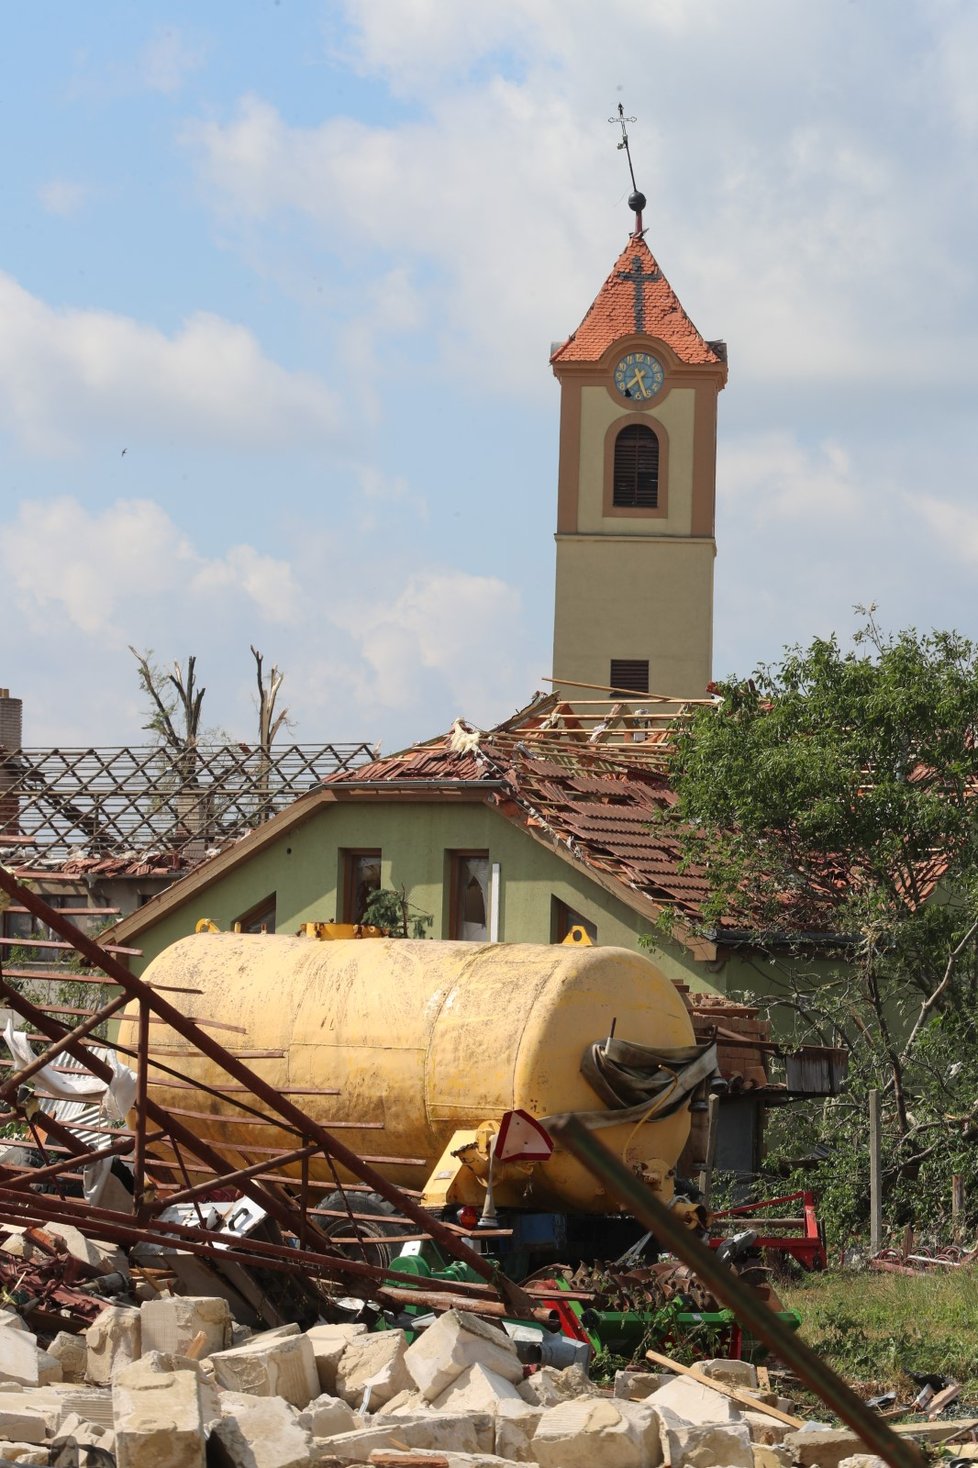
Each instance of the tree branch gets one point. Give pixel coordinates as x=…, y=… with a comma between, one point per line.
x=929, y=1003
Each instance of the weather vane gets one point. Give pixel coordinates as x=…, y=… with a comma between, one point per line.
x=636, y=199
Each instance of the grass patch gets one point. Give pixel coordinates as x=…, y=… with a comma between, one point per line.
x=872, y=1328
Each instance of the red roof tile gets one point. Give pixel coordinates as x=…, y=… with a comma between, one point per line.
x=636, y=298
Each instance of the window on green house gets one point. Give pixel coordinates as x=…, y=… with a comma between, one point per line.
x=361, y=879
x=563, y=918
x=469, y=896
x=258, y=919
x=17, y=924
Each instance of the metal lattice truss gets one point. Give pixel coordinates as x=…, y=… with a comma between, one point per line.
x=117, y=801
x=170, y=1165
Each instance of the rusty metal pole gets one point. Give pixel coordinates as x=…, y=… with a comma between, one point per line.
x=750, y=1309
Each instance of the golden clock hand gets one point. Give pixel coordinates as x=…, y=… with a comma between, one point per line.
x=641, y=384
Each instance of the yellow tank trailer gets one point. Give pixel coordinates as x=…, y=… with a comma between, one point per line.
x=425, y=1045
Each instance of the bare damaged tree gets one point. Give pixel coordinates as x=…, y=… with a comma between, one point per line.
x=176, y=703
x=269, y=724
x=186, y=697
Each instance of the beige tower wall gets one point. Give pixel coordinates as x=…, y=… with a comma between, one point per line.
x=673, y=420
x=621, y=597
x=636, y=583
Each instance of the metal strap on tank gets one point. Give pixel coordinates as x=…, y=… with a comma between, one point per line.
x=637, y=1082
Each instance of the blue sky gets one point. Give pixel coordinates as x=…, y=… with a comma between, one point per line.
x=303, y=263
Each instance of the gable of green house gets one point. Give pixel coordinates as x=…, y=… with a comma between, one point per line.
x=303, y=869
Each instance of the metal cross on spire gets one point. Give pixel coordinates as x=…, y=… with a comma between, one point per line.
x=636, y=199
x=638, y=278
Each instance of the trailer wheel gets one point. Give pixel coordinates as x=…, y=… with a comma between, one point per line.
x=373, y=1228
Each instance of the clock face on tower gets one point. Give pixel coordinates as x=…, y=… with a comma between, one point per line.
x=639, y=376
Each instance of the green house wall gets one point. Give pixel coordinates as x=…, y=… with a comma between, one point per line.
x=304, y=869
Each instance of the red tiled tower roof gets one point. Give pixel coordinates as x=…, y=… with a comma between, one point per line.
x=637, y=298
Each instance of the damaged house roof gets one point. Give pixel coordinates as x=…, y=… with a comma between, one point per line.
x=587, y=779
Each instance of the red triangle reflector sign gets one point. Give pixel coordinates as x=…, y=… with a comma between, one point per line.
x=521, y=1139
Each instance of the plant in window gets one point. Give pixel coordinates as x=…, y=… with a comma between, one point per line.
x=390, y=909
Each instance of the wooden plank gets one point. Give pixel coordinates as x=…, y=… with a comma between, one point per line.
x=754, y=1404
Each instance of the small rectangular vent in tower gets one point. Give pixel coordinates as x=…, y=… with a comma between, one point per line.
x=629, y=675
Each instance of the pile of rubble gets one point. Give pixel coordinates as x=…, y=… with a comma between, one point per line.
x=176, y=1383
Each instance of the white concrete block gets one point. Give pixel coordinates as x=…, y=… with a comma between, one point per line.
x=72, y=1352
x=477, y=1389
x=547, y=1387
x=406, y=1404
x=731, y=1373
x=328, y=1344
x=377, y=1358
x=516, y=1423
x=261, y=1432
x=326, y=1416
x=602, y=1431
x=48, y=1369
x=431, y=1433
x=823, y=1447
x=283, y=1366
x=106, y=1258
x=158, y=1420
x=23, y=1453
x=76, y=1430
x=456, y=1341
x=91, y=1406
x=114, y=1341
x=18, y=1357
x=695, y=1403
x=779, y=1457
x=20, y=1421
x=765, y=1429
x=172, y=1323
x=703, y=1445
x=638, y=1386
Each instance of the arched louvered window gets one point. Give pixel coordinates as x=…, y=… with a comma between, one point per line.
x=636, y=469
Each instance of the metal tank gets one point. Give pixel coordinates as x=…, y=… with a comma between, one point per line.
x=420, y=1040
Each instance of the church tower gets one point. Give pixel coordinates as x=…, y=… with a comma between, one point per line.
x=636, y=487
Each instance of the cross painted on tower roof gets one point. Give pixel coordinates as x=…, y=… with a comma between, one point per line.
x=638, y=277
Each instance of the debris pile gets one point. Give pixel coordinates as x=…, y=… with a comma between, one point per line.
x=177, y=1383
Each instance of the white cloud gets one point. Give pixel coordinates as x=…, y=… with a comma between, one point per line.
x=778, y=200
x=771, y=475
x=413, y=190
x=63, y=196
x=67, y=375
x=104, y=572
x=446, y=637
x=167, y=60
x=369, y=647
x=267, y=581
x=954, y=526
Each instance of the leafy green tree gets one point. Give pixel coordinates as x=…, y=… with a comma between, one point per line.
x=830, y=802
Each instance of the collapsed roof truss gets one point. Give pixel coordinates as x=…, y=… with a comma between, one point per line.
x=115, y=801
